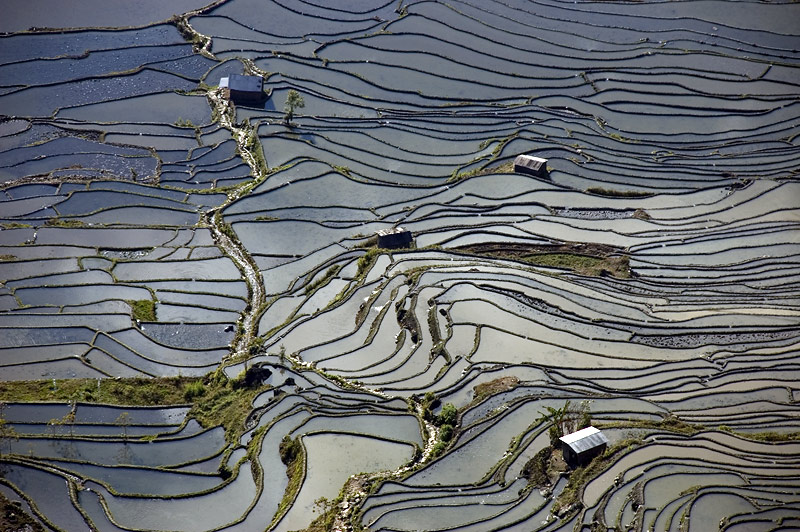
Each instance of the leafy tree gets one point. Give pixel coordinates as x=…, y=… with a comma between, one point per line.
x=293, y=101
x=566, y=419
x=449, y=415
x=446, y=433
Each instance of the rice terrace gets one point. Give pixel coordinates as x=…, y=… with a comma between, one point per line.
x=400, y=265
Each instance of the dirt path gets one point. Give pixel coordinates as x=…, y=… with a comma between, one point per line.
x=247, y=142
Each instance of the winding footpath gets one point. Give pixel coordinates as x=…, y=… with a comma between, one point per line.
x=232, y=246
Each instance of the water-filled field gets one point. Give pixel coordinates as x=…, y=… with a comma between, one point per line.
x=200, y=332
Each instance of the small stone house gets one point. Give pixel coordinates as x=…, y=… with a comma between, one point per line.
x=527, y=164
x=580, y=447
x=243, y=89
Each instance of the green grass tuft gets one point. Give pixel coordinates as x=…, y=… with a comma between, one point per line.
x=142, y=309
x=194, y=389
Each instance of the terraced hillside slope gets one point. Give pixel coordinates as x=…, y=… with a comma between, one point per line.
x=199, y=332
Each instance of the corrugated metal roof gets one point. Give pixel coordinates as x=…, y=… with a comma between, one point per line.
x=528, y=161
x=585, y=439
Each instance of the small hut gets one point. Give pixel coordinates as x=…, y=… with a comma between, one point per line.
x=527, y=164
x=243, y=89
x=394, y=238
x=580, y=447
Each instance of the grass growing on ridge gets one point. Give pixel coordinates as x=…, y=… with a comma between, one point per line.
x=138, y=391
x=613, y=193
x=583, y=264
x=214, y=400
x=142, y=309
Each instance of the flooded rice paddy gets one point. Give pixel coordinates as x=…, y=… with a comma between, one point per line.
x=150, y=229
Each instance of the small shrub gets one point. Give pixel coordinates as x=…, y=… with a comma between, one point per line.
x=238, y=381
x=449, y=415
x=446, y=433
x=194, y=389
x=438, y=448
x=181, y=122
x=535, y=469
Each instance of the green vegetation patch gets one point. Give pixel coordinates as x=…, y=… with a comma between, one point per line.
x=505, y=168
x=15, y=225
x=224, y=404
x=768, y=436
x=142, y=309
x=448, y=415
x=294, y=101
x=613, y=193
x=583, y=264
x=447, y=420
x=672, y=423
x=58, y=222
x=366, y=261
x=537, y=469
x=194, y=389
x=485, y=389
x=214, y=400
x=584, y=258
x=140, y=391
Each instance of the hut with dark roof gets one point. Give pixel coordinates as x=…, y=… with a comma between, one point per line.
x=243, y=89
x=580, y=447
x=394, y=238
